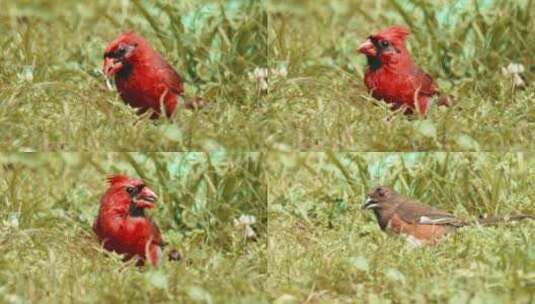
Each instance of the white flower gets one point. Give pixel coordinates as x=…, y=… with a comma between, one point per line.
x=244, y=224
x=260, y=75
x=12, y=220
x=513, y=70
x=26, y=74
x=281, y=71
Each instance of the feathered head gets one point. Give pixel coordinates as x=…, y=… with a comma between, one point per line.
x=385, y=46
x=121, y=51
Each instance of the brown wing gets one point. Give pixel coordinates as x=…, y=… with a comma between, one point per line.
x=417, y=213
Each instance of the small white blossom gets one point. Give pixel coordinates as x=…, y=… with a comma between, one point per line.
x=13, y=299
x=513, y=70
x=244, y=224
x=26, y=74
x=260, y=75
x=12, y=220
x=281, y=71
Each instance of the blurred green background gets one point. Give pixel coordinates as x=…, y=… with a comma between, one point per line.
x=324, y=249
x=49, y=252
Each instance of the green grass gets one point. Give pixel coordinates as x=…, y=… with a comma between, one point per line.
x=319, y=246
x=65, y=105
x=53, y=95
x=324, y=249
x=323, y=104
x=50, y=254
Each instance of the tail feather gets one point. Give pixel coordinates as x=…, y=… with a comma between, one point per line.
x=174, y=255
x=445, y=100
x=489, y=221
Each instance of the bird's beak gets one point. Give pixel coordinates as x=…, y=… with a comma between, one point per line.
x=367, y=48
x=111, y=66
x=146, y=198
x=369, y=204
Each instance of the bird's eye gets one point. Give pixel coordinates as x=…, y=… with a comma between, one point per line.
x=131, y=190
x=120, y=52
x=385, y=43
x=380, y=192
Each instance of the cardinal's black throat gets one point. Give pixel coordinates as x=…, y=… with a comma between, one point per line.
x=135, y=211
x=125, y=72
x=374, y=62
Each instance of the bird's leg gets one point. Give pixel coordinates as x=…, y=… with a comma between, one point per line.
x=142, y=114
x=420, y=102
x=152, y=252
x=423, y=105
x=161, y=102
x=395, y=110
x=155, y=253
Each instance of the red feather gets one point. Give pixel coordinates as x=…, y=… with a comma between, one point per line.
x=143, y=77
x=391, y=74
x=121, y=225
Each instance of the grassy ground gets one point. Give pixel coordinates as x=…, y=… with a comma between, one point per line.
x=324, y=249
x=50, y=255
x=323, y=103
x=53, y=95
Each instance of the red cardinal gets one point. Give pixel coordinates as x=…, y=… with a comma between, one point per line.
x=392, y=76
x=121, y=224
x=143, y=78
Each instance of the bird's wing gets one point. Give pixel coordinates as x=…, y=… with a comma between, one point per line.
x=169, y=77
x=95, y=226
x=157, y=236
x=424, y=83
x=417, y=213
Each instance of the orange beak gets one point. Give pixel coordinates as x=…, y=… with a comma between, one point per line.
x=111, y=66
x=367, y=48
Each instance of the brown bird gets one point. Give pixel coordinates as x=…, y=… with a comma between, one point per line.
x=419, y=223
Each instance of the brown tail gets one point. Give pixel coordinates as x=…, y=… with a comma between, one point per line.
x=174, y=255
x=489, y=221
x=194, y=103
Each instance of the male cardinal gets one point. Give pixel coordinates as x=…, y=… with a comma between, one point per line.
x=121, y=224
x=392, y=76
x=419, y=223
x=143, y=78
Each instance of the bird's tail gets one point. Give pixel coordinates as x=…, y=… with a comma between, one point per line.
x=493, y=220
x=174, y=255
x=445, y=100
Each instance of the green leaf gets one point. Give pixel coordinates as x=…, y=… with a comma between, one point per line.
x=394, y=275
x=172, y=133
x=467, y=143
x=199, y=295
x=361, y=263
x=157, y=279
x=426, y=128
